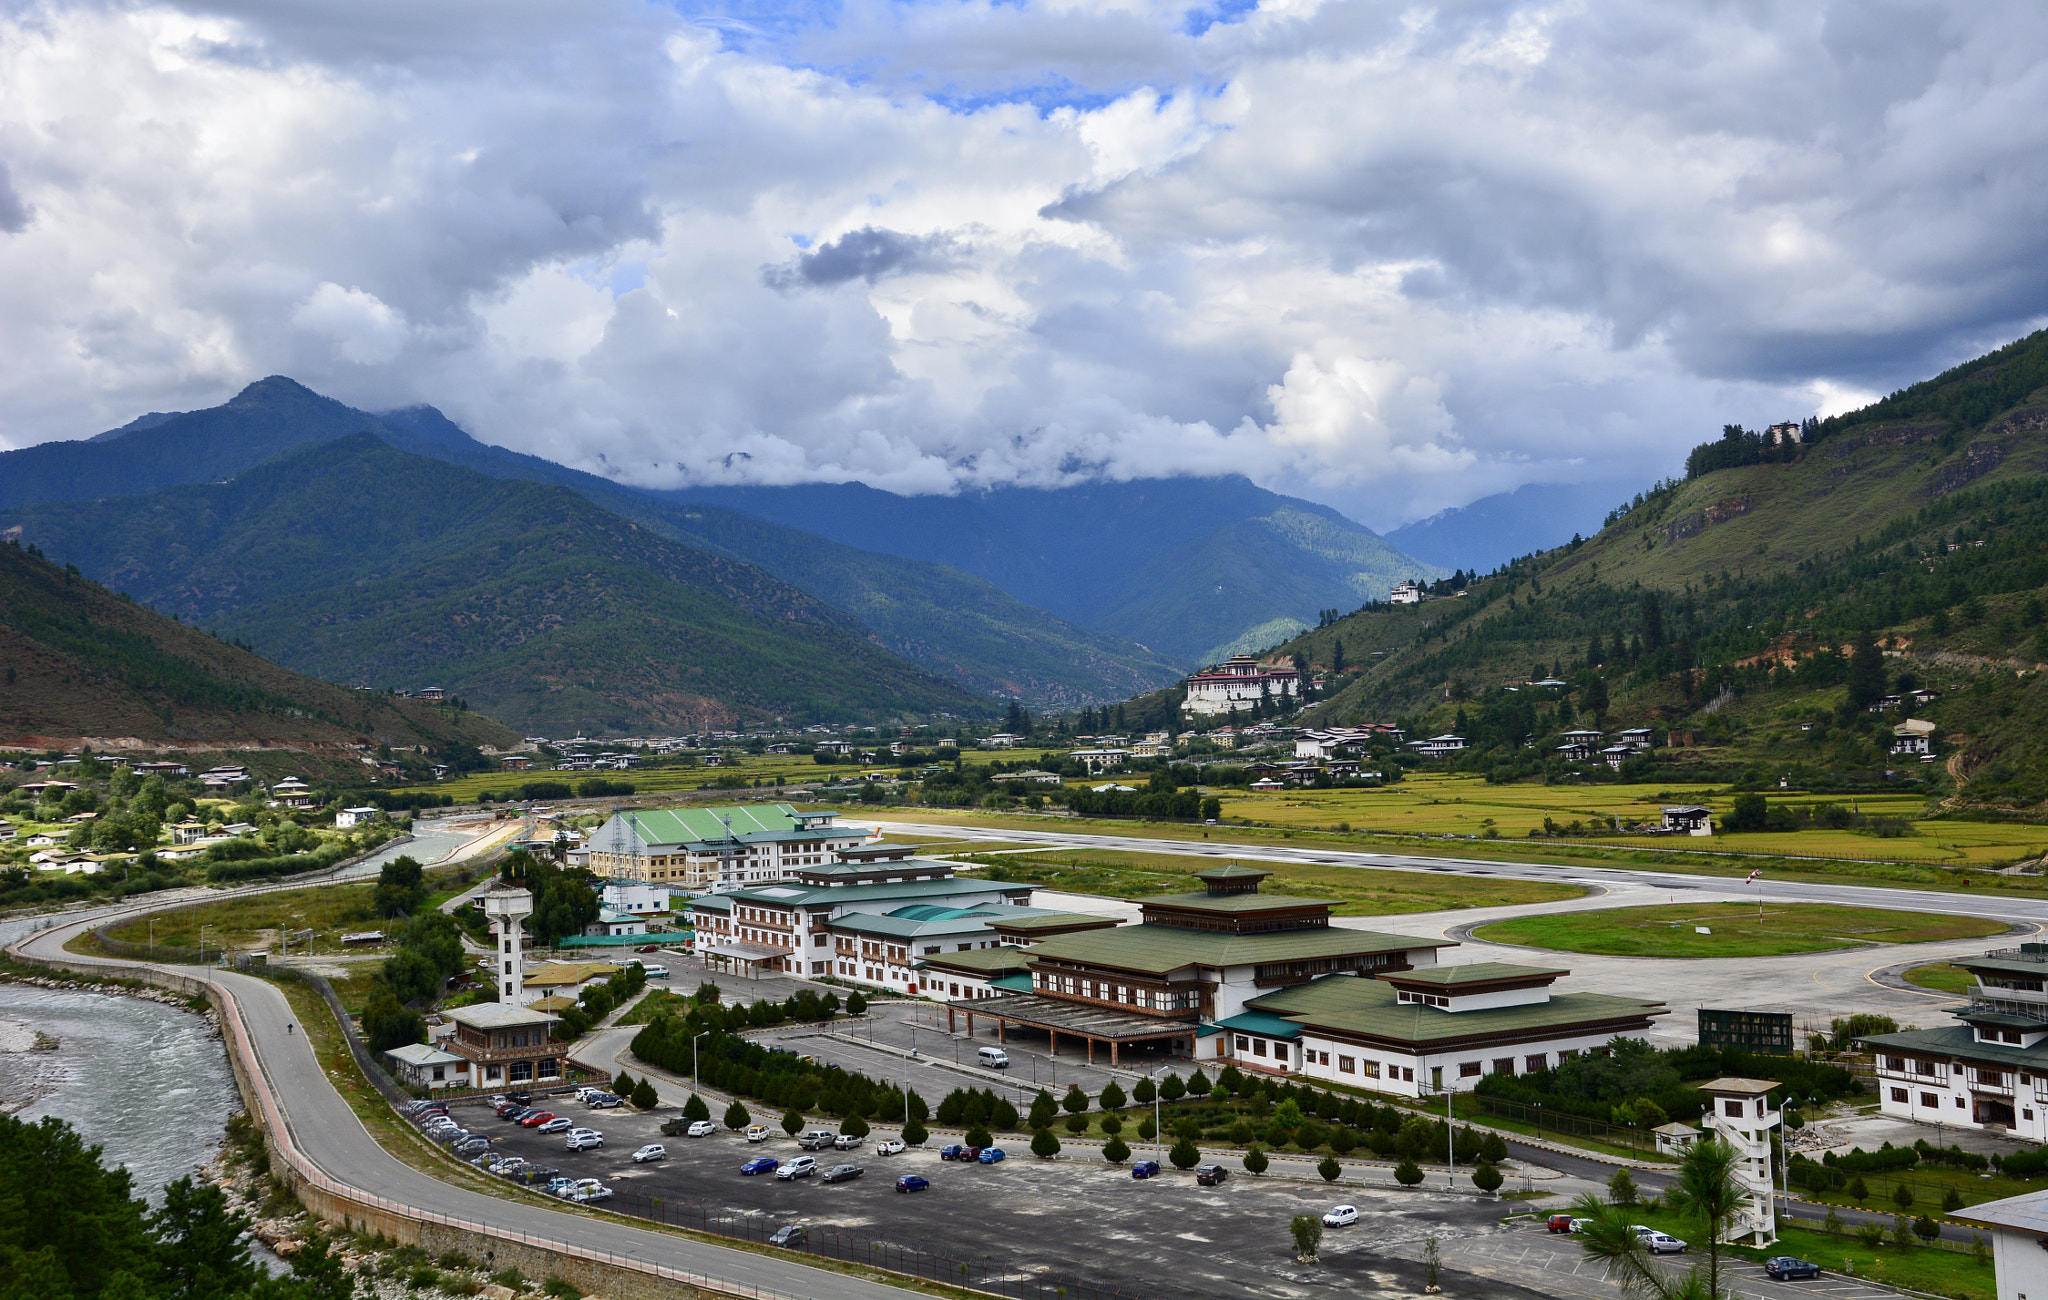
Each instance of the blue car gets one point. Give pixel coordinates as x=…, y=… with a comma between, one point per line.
x=991, y=1155
x=912, y=1183
x=760, y=1165
x=1145, y=1169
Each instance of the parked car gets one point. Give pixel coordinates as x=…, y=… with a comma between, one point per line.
x=790, y=1237
x=559, y=1124
x=912, y=1183
x=1341, y=1216
x=760, y=1165
x=955, y=1151
x=509, y=1110
x=1145, y=1169
x=846, y=1142
x=703, y=1128
x=470, y=1146
x=800, y=1167
x=536, y=1119
x=586, y=1092
x=559, y=1186
x=496, y=1099
x=991, y=1155
x=1661, y=1243
x=521, y=1096
x=584, y=1140
x=1210, y=1175
x=893, y=1147
x=652, y=1151
x=757, y=1132
x=1788, y=1268
x=585, y=1195
x=815, y=1139
x=605, y=1101
x=648, y=947
x=842, y=1173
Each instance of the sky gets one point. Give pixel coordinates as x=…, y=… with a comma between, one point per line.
x=1388, y=258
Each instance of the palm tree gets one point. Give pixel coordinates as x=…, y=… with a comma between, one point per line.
x=1706, y=1191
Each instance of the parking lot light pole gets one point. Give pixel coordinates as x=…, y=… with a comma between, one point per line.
x=695, y=1087
x=1158, y=1134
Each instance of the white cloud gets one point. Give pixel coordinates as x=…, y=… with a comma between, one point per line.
x=1389, y=258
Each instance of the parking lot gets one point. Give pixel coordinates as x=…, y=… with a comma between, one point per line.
x=1079, y=1219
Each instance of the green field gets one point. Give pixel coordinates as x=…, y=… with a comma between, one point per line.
x=245, y=924
x=1737, y=929
x=1942, y=977
x=1921, y=1268
x=1355, y=893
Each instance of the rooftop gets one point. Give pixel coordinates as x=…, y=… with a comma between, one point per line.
x=497, y=1015
x=791, y=895
x=1159, y=949
x=1367, y=1007
x=1738, y=1086
x=981, y=961
x=1478, y=972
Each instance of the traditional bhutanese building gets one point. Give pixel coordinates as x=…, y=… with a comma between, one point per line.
x=699, y=849
x=1239, y=682
x=1988, y=1071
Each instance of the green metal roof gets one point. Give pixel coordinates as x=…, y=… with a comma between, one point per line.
x=1261, y=1022
x=798, y=895
x=1367, y=1007
x=1159, y=949
x=1478, y=972
x=1233, y=902
x=1052, y=920
x=932, y=912
x=1020, y=982
x=1957, y=1040
x=1232, y=871
x=983, y=961
x=683, y=828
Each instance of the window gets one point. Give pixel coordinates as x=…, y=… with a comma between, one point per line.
x=1536, y=1062
x=1347, y=1065
x=1258, y=1047
x=1243, y=1044
x=1898, y=1094
x=1959, y=1103
x=1930, y=1099
x=1407, y=1074
x=1505, y=1065
x=1468, y=1069
x=1567, y=1054
x=1895, y=1063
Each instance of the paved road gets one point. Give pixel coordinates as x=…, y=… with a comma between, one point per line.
x=327, y=1131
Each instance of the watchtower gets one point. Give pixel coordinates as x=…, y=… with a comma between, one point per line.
x=508, y=906
x=1741, y=1116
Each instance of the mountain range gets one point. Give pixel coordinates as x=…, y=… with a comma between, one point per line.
x=83, y=665
x=359, y=562
x=1047, y=596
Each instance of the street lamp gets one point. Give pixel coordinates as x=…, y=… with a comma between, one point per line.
x=694, y=1086
x=1158, y=1135
x=202, y=945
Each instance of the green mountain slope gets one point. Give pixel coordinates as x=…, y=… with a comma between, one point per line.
x=1271, y=569
x=950, y=622
x=79, y=664
x=1730, y=605
x=357, y=561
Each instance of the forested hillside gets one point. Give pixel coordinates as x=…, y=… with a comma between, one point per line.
x=1732, y=605
x=80, y=663
x=362, y=563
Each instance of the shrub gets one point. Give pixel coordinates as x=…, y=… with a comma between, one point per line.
x=561, y=1288
x=1486, y=1178
x=914, y=1133
x=1925, y=1228
x=1255, y=1161
x=623, y=1085
x=1870, y=1234
x=1342, y=1140
x=1112, y=1097
x=1077, y=1123
x=736, y=1117
x=1307, y=1231
x=695, y=1109
x=1330, y=1169
x=1902, y=1196
x=1044, y=1145
x=1075, y=1101
x=792, y=1122
x=856, y=1005
x=644, y=1095
x=1408, y=1173
x=1621, y=1188
x=978, y=1137
x=854, y=1126
x=1147, y=1130
x=1951, y=1201
x=1184, y=1154
x=1115, y=1151
x=1112, y=1125
x=1858, y=1192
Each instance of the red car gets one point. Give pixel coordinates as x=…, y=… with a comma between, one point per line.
x=537, y=1119
x=652, y=947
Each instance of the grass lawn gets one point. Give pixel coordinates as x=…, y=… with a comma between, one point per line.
x=655, y=1003
x=1942, y=976
x=256, y=922
x=1355, y=893
x=1921, y=1268
x=1737, y=930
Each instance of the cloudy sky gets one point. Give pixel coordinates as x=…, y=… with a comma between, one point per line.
x=1389, y=258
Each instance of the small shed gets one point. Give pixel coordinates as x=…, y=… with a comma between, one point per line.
x=1674, y=1138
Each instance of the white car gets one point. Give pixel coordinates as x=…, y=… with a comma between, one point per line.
x=652, y=1151
x=1661, y=1243
x=1341, y=1216
x=559, y=1124
x=583, y=1139
x=801, y=1167
x=703, y=1128
x=893, y=1147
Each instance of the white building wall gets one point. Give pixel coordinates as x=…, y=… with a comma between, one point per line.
x=2021, y=1265
x=1408, y=1074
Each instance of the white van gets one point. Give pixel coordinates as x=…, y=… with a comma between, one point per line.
x=995, y=1058
x=653, y=971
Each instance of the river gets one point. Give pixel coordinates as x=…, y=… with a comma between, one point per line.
x=147, y=1083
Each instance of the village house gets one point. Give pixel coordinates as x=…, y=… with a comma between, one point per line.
x=1240, y=682
x=420, y=1066
x=1100, y=760
x=504, y=1044
x=700, y=849
x=1438, y=746
x=1913, y=736
x=349, y=818
x=1615, y=755
x=1688, y=819
x=1638, y=738
x=1001, y=740
x=1405, y=593
x=637, y=897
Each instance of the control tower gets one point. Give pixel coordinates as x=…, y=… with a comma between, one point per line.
x=508, y=906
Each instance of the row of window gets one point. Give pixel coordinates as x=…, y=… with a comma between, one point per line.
x=1120, y=994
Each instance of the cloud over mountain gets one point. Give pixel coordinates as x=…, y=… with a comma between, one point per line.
x=1393, y=259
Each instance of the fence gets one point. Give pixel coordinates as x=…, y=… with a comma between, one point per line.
x=1563, y=1123
x=985, y=1273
